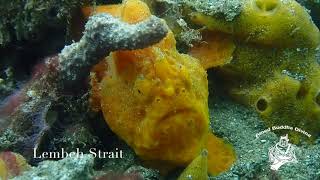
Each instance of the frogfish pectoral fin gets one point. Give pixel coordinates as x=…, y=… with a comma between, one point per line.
x=221, y=155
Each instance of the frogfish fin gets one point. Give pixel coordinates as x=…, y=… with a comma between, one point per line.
x=221, y=155
x=197, y=169
x=216, y=49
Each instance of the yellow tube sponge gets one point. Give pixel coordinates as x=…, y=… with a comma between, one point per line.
x=268, y=22
x=274, y=66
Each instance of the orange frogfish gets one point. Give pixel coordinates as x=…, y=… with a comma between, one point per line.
x=156, y=99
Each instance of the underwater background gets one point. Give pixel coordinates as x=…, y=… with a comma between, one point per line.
x=159, y=89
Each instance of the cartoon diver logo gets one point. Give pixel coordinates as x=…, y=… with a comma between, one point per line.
x=282, y=153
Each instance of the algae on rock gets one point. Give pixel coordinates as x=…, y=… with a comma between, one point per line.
x=25, y=20
x=68, y=168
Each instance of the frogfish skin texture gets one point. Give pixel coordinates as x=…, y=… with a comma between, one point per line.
x=156, y=100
